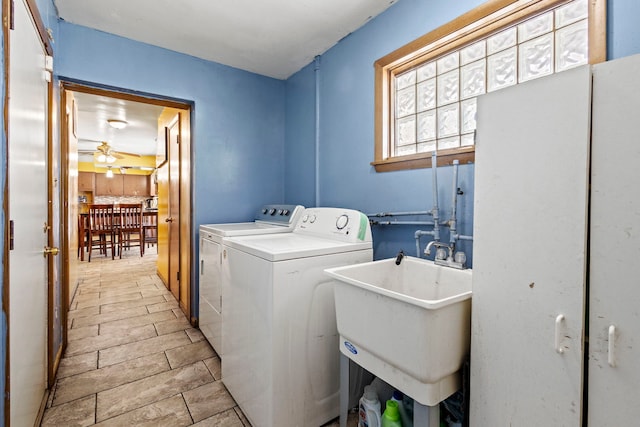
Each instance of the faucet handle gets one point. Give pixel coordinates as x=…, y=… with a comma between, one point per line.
x=441, y=253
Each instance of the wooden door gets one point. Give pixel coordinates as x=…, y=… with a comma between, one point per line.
x=614, y=336
x=28, y=214
x=173, y=217
x=529, y=266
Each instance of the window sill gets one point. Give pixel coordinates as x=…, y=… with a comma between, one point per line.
x=423, y=160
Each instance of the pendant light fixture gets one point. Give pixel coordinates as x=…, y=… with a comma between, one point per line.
x=109, y=173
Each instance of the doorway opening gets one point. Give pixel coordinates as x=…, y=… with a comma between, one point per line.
x=123, y=147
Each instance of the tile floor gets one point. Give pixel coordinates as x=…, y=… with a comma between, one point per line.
x=133, y=358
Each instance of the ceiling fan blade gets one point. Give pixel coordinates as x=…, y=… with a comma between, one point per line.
x=128, y=154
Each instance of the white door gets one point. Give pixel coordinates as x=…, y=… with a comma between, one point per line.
x=529, y=266
x=28, y=214
x=614, y=336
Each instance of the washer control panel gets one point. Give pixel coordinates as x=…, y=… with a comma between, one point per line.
x=280, y=214
x=342, y=224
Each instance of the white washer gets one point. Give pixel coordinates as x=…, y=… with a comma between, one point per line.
x=268, y=220
x=281, y=361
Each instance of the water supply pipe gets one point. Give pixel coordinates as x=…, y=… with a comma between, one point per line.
x=435, y=233
x=385, y=214
x=434, y=210
x=316, y=70
x=376, y=222
x=454, y=203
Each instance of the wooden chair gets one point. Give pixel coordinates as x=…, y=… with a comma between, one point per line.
x=130, y=232
x=101, y=228
x=150, y=229
x=83, y=235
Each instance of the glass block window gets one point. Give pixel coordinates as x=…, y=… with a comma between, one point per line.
x=435, y=102
x=426, y=91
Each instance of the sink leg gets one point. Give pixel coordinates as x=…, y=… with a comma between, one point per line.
x=427, y=416
x=344, y=389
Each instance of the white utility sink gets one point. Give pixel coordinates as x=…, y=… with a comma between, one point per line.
x=408, y=324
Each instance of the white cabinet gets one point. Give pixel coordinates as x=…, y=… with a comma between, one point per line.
x=614, y=273
x=210, y=318
x=530, y=216
x=537, y=291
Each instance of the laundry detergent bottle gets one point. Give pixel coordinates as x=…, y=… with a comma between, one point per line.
x=369, y=409
x=391, y=416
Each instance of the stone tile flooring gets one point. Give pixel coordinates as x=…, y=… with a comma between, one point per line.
x=133, y=358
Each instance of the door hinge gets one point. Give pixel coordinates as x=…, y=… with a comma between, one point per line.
x=178, y=276
x=178, y=139
x=11, y=13
x=11, y=235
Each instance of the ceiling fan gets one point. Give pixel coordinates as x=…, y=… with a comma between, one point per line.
x=107, y=154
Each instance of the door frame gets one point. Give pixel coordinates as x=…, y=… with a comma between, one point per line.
x=186, y=185
x=7, y=22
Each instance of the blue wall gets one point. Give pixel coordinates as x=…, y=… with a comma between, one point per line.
x=238, y=128
x=347, y=120
x=346, y=130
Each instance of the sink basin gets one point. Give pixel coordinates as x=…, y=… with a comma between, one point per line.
x=408, y=324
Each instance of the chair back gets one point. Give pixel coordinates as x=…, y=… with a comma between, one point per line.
x=130, y=216
x=101, y=217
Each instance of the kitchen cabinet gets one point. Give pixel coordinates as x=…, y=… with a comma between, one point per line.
x=109, y=186
x=86, y=181
x=121, y=185
x=557, y=207
x=135, y=185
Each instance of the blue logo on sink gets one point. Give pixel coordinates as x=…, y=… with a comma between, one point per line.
x=352, y=348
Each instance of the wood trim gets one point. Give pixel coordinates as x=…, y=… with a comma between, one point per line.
x=64, y=235
x=119, y=93
x=6, y=12
x=488, y=18
x=597, y=31
x=417, y=161
x=51, y=259
x=37, y=18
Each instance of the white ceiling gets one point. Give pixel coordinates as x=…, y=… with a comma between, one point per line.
x=275, y=38
x=139, y=137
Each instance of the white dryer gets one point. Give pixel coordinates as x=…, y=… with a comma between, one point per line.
x=268, y=220
x=281, y=361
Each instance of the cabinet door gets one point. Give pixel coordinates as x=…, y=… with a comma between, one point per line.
x=86, y=181
x=614, y=335
x=109, y=186
x=529, y=266
x=135, y=185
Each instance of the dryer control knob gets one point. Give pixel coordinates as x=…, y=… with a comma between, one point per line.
x=272, y=211
x=342, y=222
x=285, y=212
x=312, y=219
x=305, y=218
x=264, y=211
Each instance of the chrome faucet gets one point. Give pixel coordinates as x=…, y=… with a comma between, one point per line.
x=427, y=250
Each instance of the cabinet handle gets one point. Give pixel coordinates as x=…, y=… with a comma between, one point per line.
x=612, y=339
x=559, y=320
